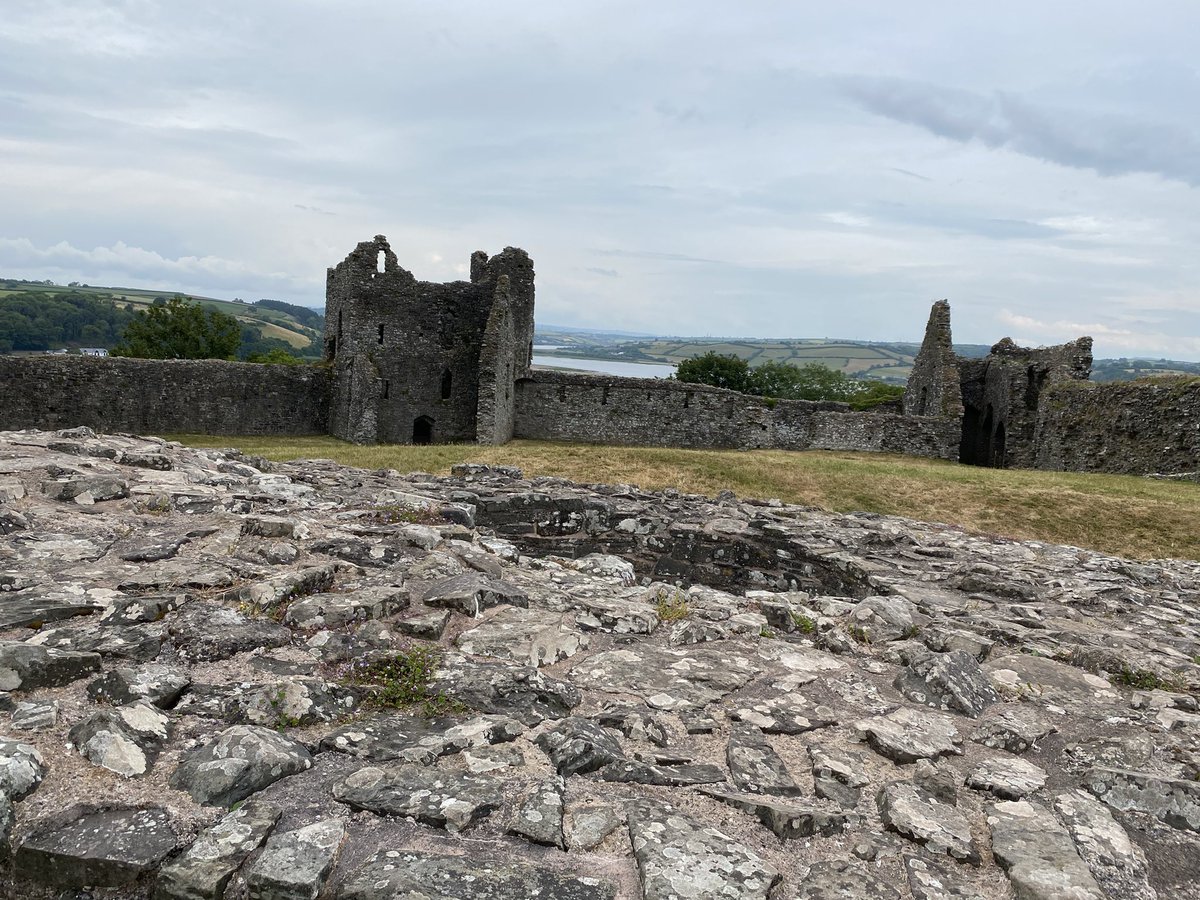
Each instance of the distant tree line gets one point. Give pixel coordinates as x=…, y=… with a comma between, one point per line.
x=32, y=320
x=784, y=381
x=170, y=328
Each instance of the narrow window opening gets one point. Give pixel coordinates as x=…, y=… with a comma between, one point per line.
x=380, y=261
x=381, y=332
x=446, y=384
x=339, y=331
x=923, y=405
x=386, y=387
x=604, y=398
x=687, y=399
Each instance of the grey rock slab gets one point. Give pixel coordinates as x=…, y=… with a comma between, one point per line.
x=274, y=527
x=1117, y=864
x=237, y=762
x=140, y=643
x=1038, y=855
x=837, y=774
x=605, y=565
x=938, y=779
x=416, y=875
x=881, y=619
x=87, y=845
x=418, y=739
x=929, y=880
x=339, y=610
x=842, y=880
x=785, y=714
x=951, y=681
x=30, y=610
x=1049, y=681
x=21, y=769
x=294, y=865
x=1008, y=779
x=907, y=735
x=678, y=857
x=25, y=666
x=1016, y=728
x=40, y=546
x=125, y=740
x=531, y=636
x=136, y=610
x=35, y=715
x=290, y=702
x=577, y=746
x=540, y=818
x=667, y=679
x=754, y=766
x=366, y=553
x=636, y=723
x=471, y=593
x=614, y=615
x=428, y=625
x=1172, y=800
x=633, y=771
x=87, y=489
x=588, y=826
x=205, y=868
x=492, y=759
x=918, y=815
x=267, y=594
x=160, y=685
x=208, y=631
x=787, y=818
x=449, y=800
x=522, y=692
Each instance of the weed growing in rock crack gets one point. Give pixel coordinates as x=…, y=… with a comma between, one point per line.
x=282, y=720
x=155, y=506
x=767, y=632
x=910, y=631
x=804, y=624
x=401, y=681
x=671, y=607
x=859, y=633
x=1143, y=680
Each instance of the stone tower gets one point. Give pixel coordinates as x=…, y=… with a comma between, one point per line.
x=419, y=362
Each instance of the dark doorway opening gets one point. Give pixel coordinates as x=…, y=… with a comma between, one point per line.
x=423, y=430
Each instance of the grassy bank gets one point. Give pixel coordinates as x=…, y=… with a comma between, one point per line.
x=1119, y=514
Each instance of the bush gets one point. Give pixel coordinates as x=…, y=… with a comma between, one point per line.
x=179, y=329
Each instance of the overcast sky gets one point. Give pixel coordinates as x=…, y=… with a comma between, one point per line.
x=791, y=169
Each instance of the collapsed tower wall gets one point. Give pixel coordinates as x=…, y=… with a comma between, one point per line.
x=407, y=355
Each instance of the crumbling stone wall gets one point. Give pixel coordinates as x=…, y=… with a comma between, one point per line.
x=560, y=406
x=1123, y=427
x=933, y=388
x=1001, y=395
x=153, y=396
x=407, y=354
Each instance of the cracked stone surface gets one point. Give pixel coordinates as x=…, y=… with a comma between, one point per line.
x=678, y=857
x=840, y=712
x=442, y=799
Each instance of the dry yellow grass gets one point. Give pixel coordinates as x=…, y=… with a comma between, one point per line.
x=1129, y=516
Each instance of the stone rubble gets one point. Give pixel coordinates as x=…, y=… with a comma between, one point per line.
x=596, y=692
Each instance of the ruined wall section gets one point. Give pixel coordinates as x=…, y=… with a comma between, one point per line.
x=497, y=367
x=1002, y=393
x=1131, y=428
x=162, y=396
x=557, y=406
x=406, y=353
x=933, y=388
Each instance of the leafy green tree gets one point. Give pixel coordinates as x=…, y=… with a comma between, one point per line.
x=717, y=370
x=179, y=329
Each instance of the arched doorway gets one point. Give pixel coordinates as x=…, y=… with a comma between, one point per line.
x=422, y=430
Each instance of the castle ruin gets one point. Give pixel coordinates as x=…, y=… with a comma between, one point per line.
x=410, y=361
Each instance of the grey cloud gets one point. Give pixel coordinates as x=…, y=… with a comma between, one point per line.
x=1110, y=144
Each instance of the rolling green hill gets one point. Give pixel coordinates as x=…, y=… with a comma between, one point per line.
x=266, y=324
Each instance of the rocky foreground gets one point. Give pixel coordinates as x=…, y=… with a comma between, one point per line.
x=221, y=678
